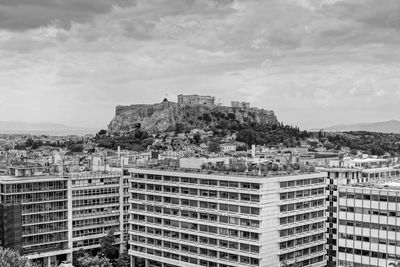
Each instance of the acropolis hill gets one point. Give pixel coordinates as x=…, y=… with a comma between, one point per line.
x=191, y=110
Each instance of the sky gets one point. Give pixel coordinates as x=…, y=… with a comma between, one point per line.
x=316, y=63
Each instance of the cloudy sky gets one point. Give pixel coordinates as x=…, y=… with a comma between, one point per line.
x=314, y=62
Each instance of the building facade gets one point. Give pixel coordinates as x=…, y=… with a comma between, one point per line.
x=97, y=208
x=369, y=219
x=336, y=177
x=189, y=218
x=34, y=217
x=346, y=177
x=49, y=217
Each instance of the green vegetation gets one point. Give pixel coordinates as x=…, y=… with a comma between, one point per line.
x=107, y=248
x=11, y=258
x=370, y=142
x=89, y=261
x=223, y=123
x=138, y=141
x=270, y=135
x=107, y=256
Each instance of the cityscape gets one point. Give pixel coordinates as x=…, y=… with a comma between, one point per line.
x=155, y=190
x=199, y=133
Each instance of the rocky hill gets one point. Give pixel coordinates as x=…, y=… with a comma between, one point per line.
x=167, y=115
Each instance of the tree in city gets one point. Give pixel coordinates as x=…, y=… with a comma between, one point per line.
x=295, y=264
x=78, y=254
x=197, y=138
x=214, y=147
x=107, y=246
x=96, y=261
x=75, y=148
x=123, y=259
x=11, y=258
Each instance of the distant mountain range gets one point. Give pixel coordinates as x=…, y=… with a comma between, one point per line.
x=392, y=126
x=19, y=127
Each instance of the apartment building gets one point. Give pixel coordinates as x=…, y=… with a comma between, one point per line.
x=336, y=177
x=193, y=218
x=369, y=225
x=99, y=204
x=34, y=216
x=49, y=217
x=346, y=176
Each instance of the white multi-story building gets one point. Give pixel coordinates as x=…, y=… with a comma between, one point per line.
x=195, y=218
x=336, y=177
x=34, y=216
x=341, y=177
x=49, y=217
x=369, y=225
x=99, y=205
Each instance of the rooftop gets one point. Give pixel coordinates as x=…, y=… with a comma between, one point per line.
x=392, y=184
x=338, y=169
x=250, y=174
x=30, y=179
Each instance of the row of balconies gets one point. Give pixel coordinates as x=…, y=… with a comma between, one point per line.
x=205, y=234
x=196, y=209
x=195, y=244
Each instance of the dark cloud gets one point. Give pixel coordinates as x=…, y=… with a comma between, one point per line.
x=18, y=15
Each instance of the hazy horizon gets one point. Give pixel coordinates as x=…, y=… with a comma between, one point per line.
x=315, y=63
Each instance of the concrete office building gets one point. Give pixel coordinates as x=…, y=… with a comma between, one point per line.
x=336, y=177
x=49, y=217
x=369, y=225
x=342, y=177
x=196, y=218
x=34, y=216
x=97, y=208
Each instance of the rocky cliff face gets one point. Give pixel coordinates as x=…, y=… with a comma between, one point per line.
x=164, y=116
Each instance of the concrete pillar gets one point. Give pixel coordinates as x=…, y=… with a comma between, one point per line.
x=146, y=263
x=48, y=261
x=70, y=230
x=132, y=261
x=121, y=212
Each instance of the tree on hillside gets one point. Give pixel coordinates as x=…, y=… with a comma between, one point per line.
x=214, y=147
x=197, y=138
x=179, y=128
x=102, y=132
x=11, y=258
x=249, y=136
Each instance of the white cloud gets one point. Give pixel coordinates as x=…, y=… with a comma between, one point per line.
x=306, y=56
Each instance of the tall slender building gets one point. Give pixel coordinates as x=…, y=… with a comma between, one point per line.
x=194, y=218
